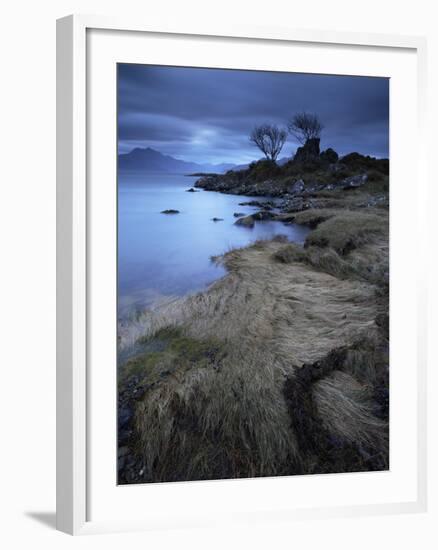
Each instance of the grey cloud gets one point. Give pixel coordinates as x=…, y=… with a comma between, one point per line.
x=205, y=115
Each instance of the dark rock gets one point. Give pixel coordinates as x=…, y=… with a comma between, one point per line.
x=123, y=451
x=353, y=159
x=247, y=221
x=356, y=161
x=382, y=321
x=315, y=186
x=138, y=393
x=267, y=205
x=124, y=435
x=263, y=215
x=238, y=214
x=354, y=181
x=191, y=190
x=285, y=218
x=124, y=416
x=170, y=211
x=330, y=156
x=308, y=152
x=336, y=167
x=224, y=183
x=242, y=183
x=296, y=204
x=296, y=187
x=379, y=201
x=217, y=219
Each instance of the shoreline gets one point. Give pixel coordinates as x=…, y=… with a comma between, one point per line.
x=196, y=238
x=299, y=333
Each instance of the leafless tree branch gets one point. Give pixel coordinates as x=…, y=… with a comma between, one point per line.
x=270, y=139
x=305, y=126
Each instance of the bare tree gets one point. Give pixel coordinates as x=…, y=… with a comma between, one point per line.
x=305, y=126
x=270, y=139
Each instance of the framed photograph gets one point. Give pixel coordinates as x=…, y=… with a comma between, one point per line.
x=241, y=301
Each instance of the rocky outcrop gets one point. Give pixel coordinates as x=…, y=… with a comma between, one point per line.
x=235, y=183
x=267, y=205
x=296, y=204
x=354, y=181
x=246, y=221
x=308, y=152
x=356, y=161
x=329, y=156
x=297, y=187
x=170, y=211
x=262, y=215
x=298, y=182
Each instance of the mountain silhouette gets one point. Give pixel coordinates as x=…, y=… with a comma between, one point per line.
x=150, y=160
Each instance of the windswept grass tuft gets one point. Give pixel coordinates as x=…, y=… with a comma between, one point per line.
x=368, y=263
x=346, y=411
x=344, y=230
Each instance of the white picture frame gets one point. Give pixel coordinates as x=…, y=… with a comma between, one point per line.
x=74, y=220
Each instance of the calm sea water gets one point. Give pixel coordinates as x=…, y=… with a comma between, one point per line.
x=163, y=255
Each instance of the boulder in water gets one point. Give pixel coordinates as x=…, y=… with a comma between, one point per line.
x=247, y=221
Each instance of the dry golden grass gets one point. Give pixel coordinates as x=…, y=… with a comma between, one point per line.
x=349, y=230
x=215, y=405
x=344, y=230
x=314, y=216
x=367, y=263
x=346, y=410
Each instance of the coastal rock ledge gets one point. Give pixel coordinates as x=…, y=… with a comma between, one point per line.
x=298, y=178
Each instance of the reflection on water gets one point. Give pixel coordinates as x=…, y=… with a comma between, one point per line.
x=163, y=255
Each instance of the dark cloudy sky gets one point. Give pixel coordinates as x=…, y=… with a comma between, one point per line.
x=205, y=115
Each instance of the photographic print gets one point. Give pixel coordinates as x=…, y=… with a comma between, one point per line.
x=253, y=273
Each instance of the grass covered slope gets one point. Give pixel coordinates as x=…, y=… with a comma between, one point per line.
x=279, y=368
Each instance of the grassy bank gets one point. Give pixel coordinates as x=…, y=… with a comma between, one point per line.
x=279, y=368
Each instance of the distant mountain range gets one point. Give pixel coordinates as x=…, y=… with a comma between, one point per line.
x=150, y=160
